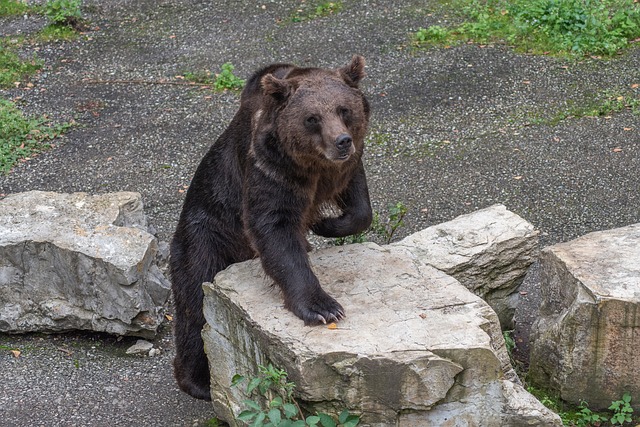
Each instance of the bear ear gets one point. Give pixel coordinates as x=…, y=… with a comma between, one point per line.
x=353, y=72
x=280, y=89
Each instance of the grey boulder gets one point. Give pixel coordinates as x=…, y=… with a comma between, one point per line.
x=416, y=348
x=79, y=261
x=585, y=342
x=489, y=251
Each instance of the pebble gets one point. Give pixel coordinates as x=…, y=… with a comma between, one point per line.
x=140, y=347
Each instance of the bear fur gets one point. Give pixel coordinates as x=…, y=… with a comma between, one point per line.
x=293, y=148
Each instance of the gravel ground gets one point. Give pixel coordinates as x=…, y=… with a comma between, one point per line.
x=453, y=130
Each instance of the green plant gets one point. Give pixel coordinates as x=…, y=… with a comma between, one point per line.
x=212, y=422
x=601, y=105
x=432, y=35
x=509, y=342
x=226, y=79
x=63, y=12
x=586, y=417
x=13, y=7
x=280, y=409
x=386, y=229
x=21, y=136
x=565, y=27
x=200, y=77
x=56, y=32
x=622, y=410
x=308, y=11
x=383, y=229
x=551, y=402
x=12, y=67
x=354, y=238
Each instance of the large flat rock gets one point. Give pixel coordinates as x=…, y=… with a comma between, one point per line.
x=586, y=342
x=417, y=348
x=77, y=261
x=489, y=251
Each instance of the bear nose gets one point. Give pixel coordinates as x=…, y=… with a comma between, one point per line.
x=343, y=141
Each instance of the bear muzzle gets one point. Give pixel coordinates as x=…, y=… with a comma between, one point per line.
x=344, y=144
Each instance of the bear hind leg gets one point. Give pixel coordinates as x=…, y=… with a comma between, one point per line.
x=190, y=366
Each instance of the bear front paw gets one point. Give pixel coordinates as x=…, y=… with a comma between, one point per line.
x=320, y=308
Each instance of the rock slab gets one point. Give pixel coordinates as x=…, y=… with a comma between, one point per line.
x=416, y=348
x=585, y=344
x=79, y=261
x=489, y=251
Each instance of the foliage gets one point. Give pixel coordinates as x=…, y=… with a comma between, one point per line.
x=431, y=35
x=602, y=105
x=13, y=7
x=509, y=342
x=200, y=77
x=280, y=408
x=585, y=416
x=383, y=229
x=566, y=27
x=226, y=79
x=622, y=410
x=386, y=229
x=12, y=67
x=213, y=422
x=63, y=12
x=21, y=136
x=308, y=11
x=582, y=416
x=55, y=33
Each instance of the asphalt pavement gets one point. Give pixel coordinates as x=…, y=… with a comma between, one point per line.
x=453, y=130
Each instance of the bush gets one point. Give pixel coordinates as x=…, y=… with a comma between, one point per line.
x=63, y=12
x=570, y=27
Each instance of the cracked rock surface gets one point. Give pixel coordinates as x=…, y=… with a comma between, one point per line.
x=416, y=347
x=585, y=342
x=79, y=262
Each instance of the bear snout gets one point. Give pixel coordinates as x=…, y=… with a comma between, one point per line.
x=343, y=142
x=345, y=147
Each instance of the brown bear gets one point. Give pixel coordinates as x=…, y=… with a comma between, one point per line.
x=293, y=148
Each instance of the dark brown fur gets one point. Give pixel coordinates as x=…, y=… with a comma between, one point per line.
x=294, y=145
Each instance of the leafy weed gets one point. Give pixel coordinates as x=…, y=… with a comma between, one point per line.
x=280, y=407
x=21, y=137
x=562, y=27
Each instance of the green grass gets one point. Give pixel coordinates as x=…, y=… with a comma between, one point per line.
x=224, y=80
x=601, y=105
x=55, y=32
x=560, y=27
x=12, y=67
x=21, y=136
x=310, y=10
x=13, y=7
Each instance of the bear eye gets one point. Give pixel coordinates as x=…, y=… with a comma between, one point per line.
x=344, y=113
x=311, y=121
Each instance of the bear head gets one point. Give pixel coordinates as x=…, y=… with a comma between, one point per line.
x=319, y=116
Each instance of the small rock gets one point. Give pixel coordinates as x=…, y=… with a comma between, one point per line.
x=140, y=347
x=155, y=352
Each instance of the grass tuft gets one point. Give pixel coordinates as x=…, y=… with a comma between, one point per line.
x=13, y=7
x=21, y=136
x=560, y=27
x=12, y=67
